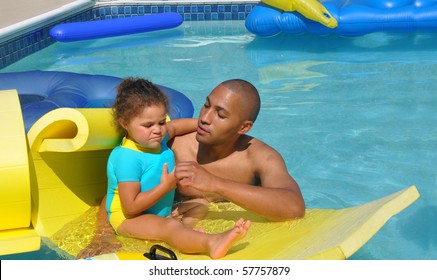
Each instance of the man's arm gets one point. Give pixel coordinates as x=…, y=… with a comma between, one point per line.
x=277, y=198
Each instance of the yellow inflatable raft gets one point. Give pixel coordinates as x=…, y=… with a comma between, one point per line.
x=59, y=179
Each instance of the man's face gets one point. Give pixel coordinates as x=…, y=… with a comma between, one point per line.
x=220, y=117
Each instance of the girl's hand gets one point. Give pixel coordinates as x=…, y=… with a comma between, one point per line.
x=168, y=179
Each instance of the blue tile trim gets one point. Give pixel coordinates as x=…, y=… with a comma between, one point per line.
x=19, y=47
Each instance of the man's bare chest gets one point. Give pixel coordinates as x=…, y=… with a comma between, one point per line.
x=233, y=168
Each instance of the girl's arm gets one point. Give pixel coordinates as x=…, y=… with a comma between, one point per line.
x=180, y=127
x=134, y=201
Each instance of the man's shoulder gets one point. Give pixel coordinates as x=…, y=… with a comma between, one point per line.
x=257, y=148
x=255, y=144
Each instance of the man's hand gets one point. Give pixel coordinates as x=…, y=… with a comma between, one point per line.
x=194, y=180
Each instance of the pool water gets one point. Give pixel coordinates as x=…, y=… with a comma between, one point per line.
x=354, y=118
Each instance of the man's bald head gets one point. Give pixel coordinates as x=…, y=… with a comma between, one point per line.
x=249, y=96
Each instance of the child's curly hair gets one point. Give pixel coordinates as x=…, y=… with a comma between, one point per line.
x=133, y=95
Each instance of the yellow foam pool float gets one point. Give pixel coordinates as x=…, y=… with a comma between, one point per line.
x=60, y=179
x=334, y=234
x=16, y=231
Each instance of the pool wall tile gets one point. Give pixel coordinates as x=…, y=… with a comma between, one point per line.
x=23, y=45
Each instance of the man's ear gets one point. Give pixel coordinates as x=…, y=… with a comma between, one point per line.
x=245, y=127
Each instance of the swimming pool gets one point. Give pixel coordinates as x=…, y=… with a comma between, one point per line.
x=354, y=118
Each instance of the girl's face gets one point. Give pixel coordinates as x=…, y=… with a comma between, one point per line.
x=148, y=128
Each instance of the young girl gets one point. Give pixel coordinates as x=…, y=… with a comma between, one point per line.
x=141, y=181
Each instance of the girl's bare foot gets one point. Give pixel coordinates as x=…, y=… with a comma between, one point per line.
x=222, y=242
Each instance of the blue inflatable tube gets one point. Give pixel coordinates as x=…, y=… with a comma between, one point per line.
x=43, y=91
x=354, y=17
x=78, y=31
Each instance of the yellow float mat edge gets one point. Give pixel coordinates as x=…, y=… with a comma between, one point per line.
x=386, y=208
x=19, y=241
x=16, y=233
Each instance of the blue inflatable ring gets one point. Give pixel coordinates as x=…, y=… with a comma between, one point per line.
x=354, y=17
x=43, y=91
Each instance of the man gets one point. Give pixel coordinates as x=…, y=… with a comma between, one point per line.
x=220, y=162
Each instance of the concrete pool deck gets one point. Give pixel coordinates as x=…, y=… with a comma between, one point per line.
x=16, y=11
x=20, y=16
